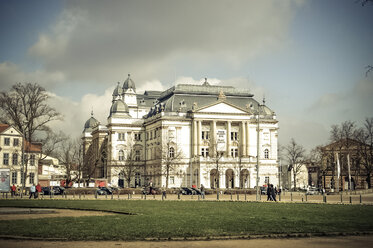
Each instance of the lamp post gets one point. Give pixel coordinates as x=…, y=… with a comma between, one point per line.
x=23, y=176
x=257, y=155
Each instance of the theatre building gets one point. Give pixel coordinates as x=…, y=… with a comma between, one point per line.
x=187, y=135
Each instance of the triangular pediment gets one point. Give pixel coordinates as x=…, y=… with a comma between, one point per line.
x=221, y=107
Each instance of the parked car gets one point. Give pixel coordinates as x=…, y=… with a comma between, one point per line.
x=312, y=191
x=104, y=191
x=146, y=191
x=196, y=191
x=58, y=190
x=186, y=191
x=263, y=190
x=55, y=190
x=45, y=190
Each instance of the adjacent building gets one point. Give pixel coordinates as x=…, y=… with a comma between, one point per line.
x=184, y=136
x=12, y=148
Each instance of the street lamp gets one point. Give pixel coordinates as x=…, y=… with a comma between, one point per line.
x=23, y=176
x=257, y=155
x=257, y=113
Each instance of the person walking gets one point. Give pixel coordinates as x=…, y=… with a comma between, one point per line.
x=202, y=191
x=32, y=191
x=269, y=193
x=13, y=190
x=38, y=190
x=273, y=193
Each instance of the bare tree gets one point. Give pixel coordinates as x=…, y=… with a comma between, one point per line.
x=215, y=155
x=316, y=158
x=68, y=156
x=343, y=137
x=25, y=107
x=171, y=156
x=129, y=168
x=295, y=155
x=90, y=163
x=365, y=149
x=364, y=2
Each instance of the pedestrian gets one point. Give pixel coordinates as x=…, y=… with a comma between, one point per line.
x=32, y=191
x=150, y=187
x=202, y=191
x=13, y=188
x=273, y=193
x=38, y=190
x=269, y=193
x=164, y=192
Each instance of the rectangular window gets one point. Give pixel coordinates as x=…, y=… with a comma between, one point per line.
x=22, y=177
x=266, y=180
x=32, y=160
x=137, y=137
x=32, y=178
x=204, y=152
x=137, y=155
x=14, y=177
x=25, y=159
x=234, y=152
x=6, y=141
x=15, y=159
x=205, y=135
x=234, y=135
x=15, y=142
x=172, y=180
x=121, y=136
x=6, y=159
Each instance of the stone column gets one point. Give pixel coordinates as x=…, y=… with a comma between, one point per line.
x=194, y=128
x=247, y=139
x=228, y=125
x=242, y=139
x=199, y=136
x=213, y=132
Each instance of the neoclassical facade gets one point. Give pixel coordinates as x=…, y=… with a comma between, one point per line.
x=187, y=135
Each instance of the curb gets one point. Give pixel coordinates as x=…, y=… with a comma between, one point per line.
x=79, y=209
x=208, y=238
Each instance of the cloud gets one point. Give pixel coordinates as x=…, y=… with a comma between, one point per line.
x=11, y=74
x=354, y=104
x=97, y=43
x=76, y=113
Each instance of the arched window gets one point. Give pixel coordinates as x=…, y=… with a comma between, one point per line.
x=171, y=152
x=266, y=153
x=121, y=155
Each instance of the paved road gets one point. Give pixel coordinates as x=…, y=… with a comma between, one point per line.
x=319, y=242
x=288, y=197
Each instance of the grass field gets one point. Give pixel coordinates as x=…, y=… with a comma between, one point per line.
x=164, y=219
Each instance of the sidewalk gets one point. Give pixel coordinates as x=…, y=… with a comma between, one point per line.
x=286, y=197
x=319, y=242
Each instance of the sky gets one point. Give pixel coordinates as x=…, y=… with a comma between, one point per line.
x=306, y=58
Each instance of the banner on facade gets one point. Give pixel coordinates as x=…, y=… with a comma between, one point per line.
x=221, y=140
x=4, y=180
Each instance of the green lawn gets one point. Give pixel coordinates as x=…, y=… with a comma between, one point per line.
x=163, y=219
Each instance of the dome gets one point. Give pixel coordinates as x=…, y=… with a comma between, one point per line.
x=117, y=91
x=90, y=123
x=129, y=84
x=118, y=107
x=266, y=111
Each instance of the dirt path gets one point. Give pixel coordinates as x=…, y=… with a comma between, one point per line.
x=319, y=242
x=47, y=213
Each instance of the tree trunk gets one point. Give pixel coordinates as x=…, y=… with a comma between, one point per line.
x=295, y=179
x=368, y=180
x=167, y=174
